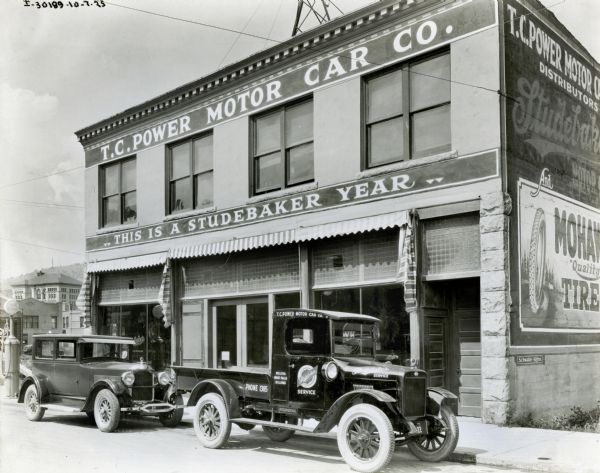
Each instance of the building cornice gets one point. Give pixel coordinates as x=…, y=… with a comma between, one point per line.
x=280, y=54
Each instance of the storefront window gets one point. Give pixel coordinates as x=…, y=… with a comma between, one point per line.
x=152, y=339
x=226, y=336
x=257, y=333
x=287, y=300
x=384, y=302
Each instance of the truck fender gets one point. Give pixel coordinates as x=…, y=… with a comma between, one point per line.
x=219, y=386
x=439, y=397
x=116, y=387
x=335, y=412
x=40, y=383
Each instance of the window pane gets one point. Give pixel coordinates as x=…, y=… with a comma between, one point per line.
x=257, y=323
x=343, y=300
x=204, y=189
x=268, y=133
x=111, y=179
x=431, y=131
x=66, y=349
x=287, y=300
x=299, y=123
x=384, y=96
x=268, y=172
x=129, y=207
x=110, y=210
x=300, y=164
x=386, y=142
x=128, y=176
x=180, y=161
x=203, y=154
x=181, y=195
x=429, y=83
x=226, y=336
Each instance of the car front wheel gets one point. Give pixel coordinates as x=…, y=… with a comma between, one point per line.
x=107, y=411
x=440, y=440
x=33, y=409
x=365, y=438
x=173, y=418
x=211, y=422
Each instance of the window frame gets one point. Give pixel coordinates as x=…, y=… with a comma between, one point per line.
x=102, y=189
x=284, y=180
x=406, y=115
x=190, y=177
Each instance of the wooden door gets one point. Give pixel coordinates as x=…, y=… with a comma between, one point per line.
x=468, y=324
x=436, y=346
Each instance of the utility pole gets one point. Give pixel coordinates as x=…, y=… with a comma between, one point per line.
x=314, y=9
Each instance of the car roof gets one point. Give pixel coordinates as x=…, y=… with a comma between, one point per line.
x=86, y=338
x=330, y=314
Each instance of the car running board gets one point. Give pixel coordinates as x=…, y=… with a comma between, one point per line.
x=267, y=423
x=61, y=408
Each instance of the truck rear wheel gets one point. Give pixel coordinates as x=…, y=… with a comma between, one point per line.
x=211, y=422
x=365, y=438
x=441, y=440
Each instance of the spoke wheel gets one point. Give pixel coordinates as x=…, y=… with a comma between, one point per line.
x=173, y=418
x=365, y=438
x=107, y=411
x=33, y=410
x=211, y=421
x=440, y=441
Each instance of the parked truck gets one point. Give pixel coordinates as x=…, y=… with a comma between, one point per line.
x=324, y=366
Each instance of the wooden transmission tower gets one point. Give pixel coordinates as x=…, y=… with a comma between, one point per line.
x=314, y=9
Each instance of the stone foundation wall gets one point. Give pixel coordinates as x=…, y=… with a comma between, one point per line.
x=495, y=302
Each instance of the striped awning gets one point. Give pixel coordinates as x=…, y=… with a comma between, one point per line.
x=353, y=226
x=407, y=267
x=84, y=298
x=164, y=294
x=294, y=235
x=130, y=262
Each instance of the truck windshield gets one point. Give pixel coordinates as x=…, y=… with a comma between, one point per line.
x=115, y=351
x=353, y=338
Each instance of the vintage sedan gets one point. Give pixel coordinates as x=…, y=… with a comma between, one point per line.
x=95, y=375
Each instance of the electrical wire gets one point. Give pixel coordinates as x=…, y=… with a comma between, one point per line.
x=41, y=204
x=41, y=177
x=240, y=34
x=42, y=246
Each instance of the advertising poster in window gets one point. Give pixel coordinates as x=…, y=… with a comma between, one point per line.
x=553, y=164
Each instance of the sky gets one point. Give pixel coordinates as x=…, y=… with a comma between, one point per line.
x=64, y=69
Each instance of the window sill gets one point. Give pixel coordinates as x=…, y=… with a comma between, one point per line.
x=407, y=164
x=117, y=228
x=283, y=192
x=189, y=213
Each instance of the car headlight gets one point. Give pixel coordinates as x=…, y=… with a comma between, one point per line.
x=164, y=378
x=330, y=371
x=128, y=378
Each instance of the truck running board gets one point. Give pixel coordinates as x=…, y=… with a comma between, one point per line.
x=267, y=423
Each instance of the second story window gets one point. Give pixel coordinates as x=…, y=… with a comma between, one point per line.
x=282, y=149
x=118, y=185
x=190, y=166
x=408, y=111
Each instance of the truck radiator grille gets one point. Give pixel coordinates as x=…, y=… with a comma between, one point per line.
x=413, y=396
x=143, y=387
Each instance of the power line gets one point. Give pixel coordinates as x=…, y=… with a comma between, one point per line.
x=240, y=34
x=42, y=204
x=41, y=246
x=41, y=177
x=207, y=25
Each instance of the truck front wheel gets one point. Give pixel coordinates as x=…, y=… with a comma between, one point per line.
x=440, y=440
x=365, y=438
x=211, y=422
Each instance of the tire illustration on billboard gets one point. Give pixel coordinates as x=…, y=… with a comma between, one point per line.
x=536, y=264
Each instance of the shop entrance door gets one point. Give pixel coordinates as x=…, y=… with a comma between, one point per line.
x=240, y=333
x=436, y=346
x=469, y=366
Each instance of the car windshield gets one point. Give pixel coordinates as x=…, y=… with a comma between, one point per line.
x=353, y=338
x=115, y=351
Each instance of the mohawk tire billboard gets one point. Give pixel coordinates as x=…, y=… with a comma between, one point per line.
x=553, y=171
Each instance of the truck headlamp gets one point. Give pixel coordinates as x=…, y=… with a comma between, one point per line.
x=330, y=371
x=164, y=378
x=128, y=378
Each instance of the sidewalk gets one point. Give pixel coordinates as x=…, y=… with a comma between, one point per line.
x=527, y=449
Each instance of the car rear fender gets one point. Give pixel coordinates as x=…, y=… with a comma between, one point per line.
x=337, y=409
x=39, y=381
x=439, y=397
x=225, y=388
x=115, y=386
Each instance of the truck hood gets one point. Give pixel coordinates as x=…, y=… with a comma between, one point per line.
x=370, y=368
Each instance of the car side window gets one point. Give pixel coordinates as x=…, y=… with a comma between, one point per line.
x=45, y=349
x=66, y=350
x=307, y=336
